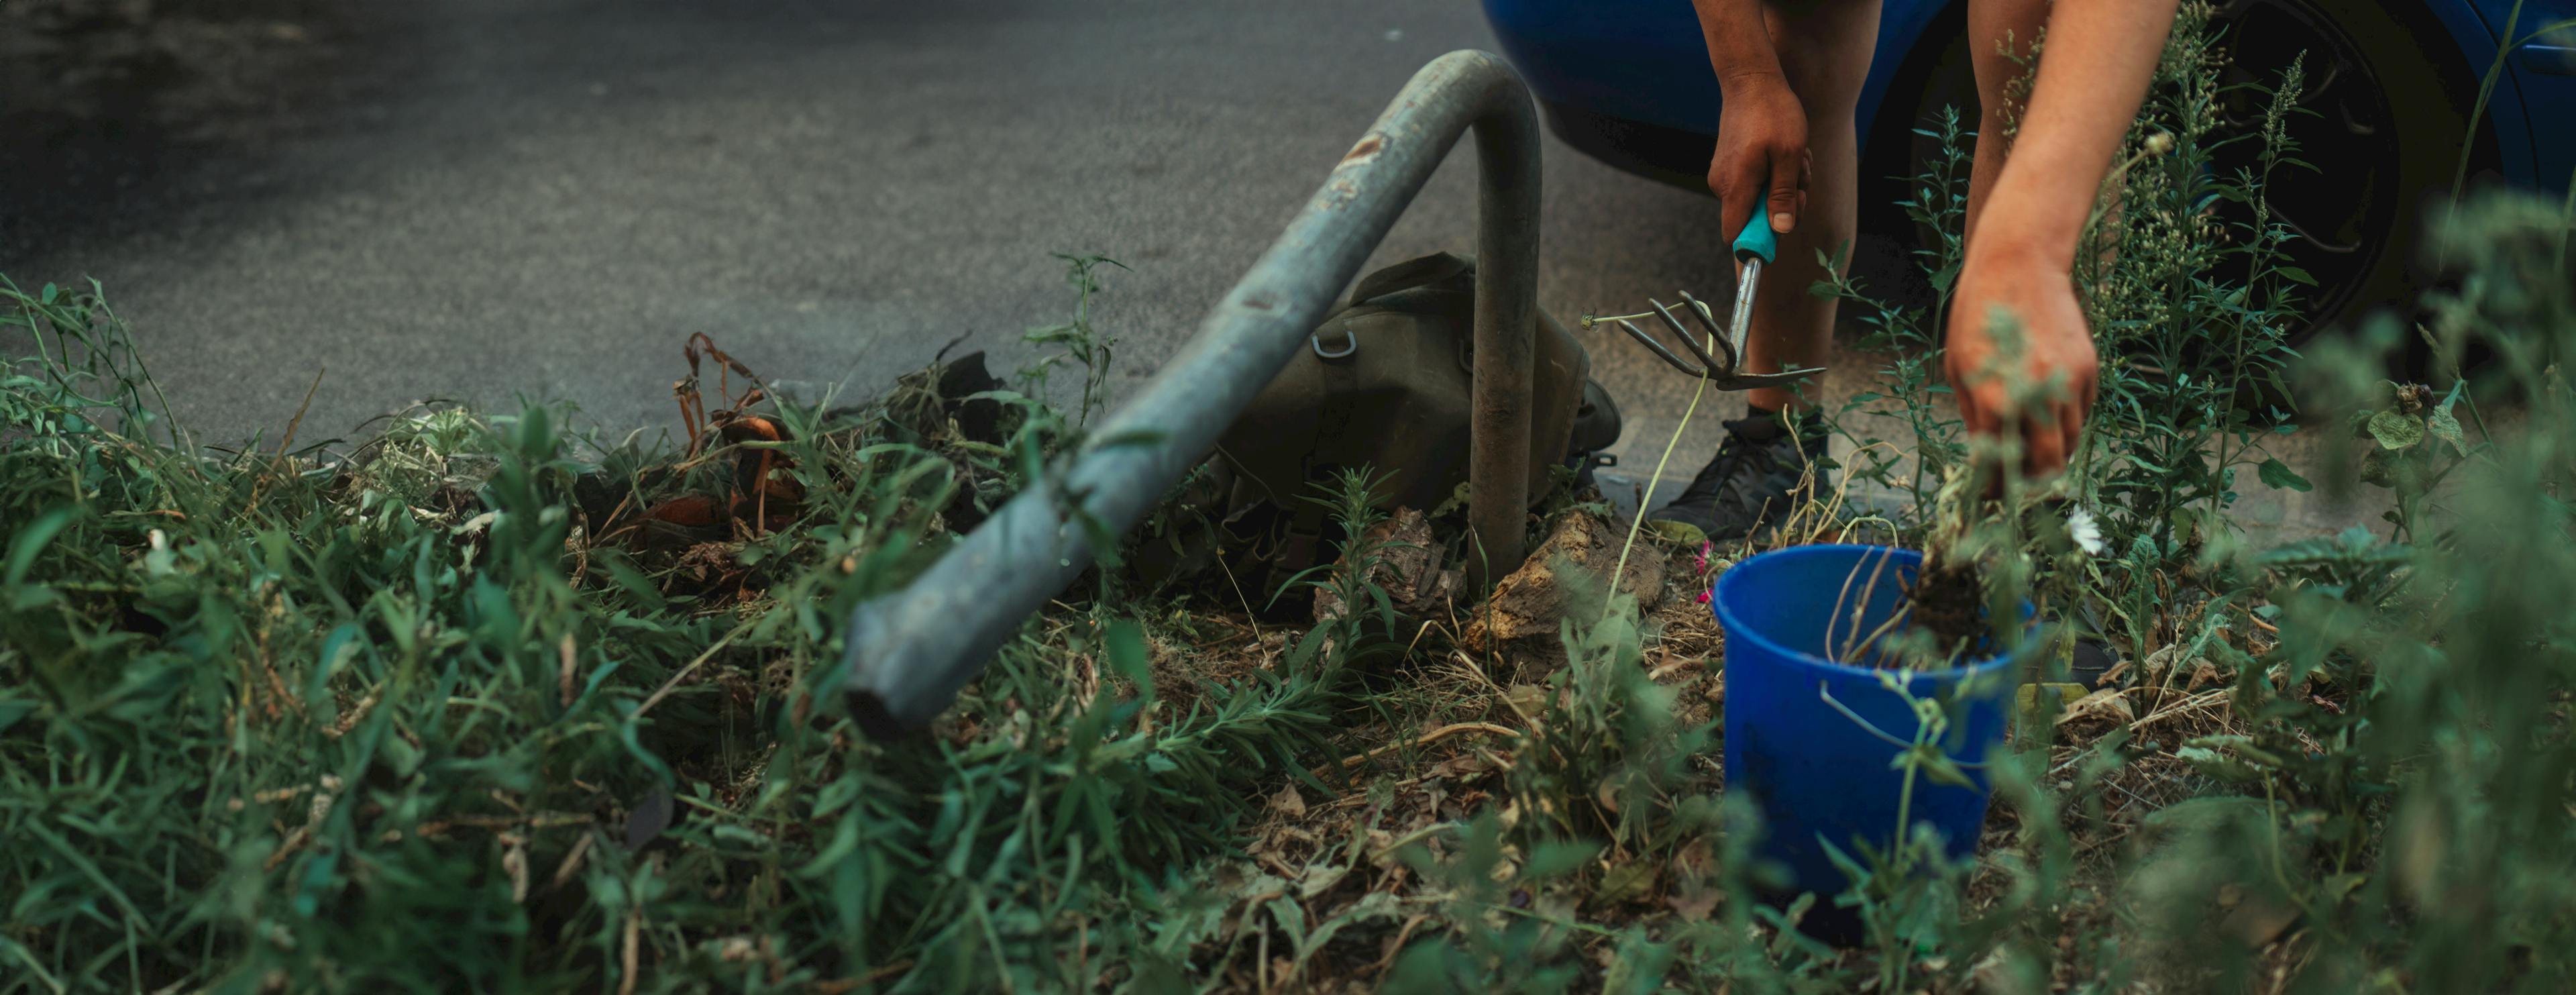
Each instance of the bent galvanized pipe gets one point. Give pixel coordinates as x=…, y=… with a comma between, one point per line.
x=906, y=654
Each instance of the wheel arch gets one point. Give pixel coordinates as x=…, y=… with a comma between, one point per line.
x=1925, y=28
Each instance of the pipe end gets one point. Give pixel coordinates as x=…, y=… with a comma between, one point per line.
x=874, y=719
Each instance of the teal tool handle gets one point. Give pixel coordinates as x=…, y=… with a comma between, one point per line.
x=1758, y=239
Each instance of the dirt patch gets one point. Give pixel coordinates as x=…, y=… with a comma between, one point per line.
x=1521, y=620
x=1686, y=650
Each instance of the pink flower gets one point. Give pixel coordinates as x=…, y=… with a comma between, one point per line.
x=1703, y=596
x=1700, y=561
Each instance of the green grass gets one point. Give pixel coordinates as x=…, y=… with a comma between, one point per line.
x=442, y=712
x=269, y=716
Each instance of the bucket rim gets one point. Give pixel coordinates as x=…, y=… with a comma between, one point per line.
x=1733, y=626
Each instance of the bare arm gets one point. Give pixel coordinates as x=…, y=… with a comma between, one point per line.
x=1739, y=47
x=2093, y=73
x=1761, y=157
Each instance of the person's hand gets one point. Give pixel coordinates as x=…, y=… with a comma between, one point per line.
x=2056, y=350
x=1761, y=161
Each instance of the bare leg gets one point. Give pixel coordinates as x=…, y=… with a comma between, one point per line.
x=1989, y=23
x=1825, y=48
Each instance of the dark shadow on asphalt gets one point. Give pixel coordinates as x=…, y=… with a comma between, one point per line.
x=122, y=118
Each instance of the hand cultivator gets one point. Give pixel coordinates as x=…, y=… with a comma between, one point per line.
x=1756, y=246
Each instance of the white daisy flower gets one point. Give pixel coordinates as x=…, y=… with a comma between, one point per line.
x=2086, y=531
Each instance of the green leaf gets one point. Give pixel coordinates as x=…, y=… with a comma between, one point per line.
x=2396, y=429
x=2243, y=746
x=14, y=709
x=836, y=795
x=1127, y=655
x=1379, y=905
x=2377, y=468
x=2219, y=765
x=1627, y=882
x=2446, y=426
x=2037, y=704
x=2355, y=546
x=626, y=732
x=1423, y=967
x=2209, y=814
x=1680, y=533
x=2296, y=275
x=1558, y=857
x=23, y=550
x=2278, y=474
x=1291, y=918
x=1640, y=966
x=1942, y=769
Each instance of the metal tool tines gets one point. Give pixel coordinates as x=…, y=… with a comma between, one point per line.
x=1721, y=369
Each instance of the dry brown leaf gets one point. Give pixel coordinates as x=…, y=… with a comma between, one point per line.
x=1624, y=883
x=1408, y=568
x=2260, y=920
x=2112, y=703
x=515, y=862
x=1460, y=766
x=1321, y=876
x=572, y=861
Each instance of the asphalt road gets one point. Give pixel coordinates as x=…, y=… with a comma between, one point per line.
x=544, y=198
x=489, y=200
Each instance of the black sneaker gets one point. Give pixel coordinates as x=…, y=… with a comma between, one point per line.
x=2093, y=662
x=1757, y=466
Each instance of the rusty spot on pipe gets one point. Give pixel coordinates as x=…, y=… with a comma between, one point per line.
x=1259, y=302
x=1366, y=148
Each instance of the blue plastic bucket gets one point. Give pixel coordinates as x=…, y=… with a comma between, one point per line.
x=1813, y=772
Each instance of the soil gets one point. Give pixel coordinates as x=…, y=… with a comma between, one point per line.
x=1527, y=610
x=1948, y=601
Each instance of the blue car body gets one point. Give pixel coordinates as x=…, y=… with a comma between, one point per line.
x=1641, y=64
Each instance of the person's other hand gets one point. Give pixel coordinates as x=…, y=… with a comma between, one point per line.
x=1761, y=162
x=2056, y=349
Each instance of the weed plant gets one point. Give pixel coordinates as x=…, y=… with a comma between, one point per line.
x=268, y=721
x=424, y=715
